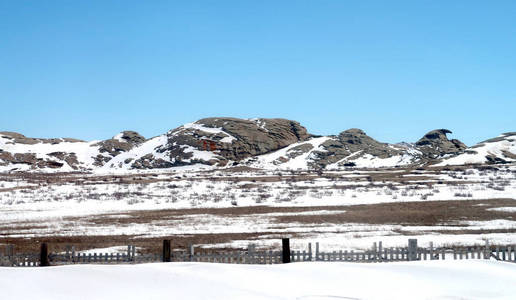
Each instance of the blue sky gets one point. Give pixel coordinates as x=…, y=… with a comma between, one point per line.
x=396, y=69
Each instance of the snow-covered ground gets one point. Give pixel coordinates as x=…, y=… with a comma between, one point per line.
x=100, y=205
x=215, y=189
x=465, y=279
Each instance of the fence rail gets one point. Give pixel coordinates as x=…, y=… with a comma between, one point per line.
x=377, y=253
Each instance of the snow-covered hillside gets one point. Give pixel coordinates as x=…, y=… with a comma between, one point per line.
x=259, y=143
x=308, y=155
x=20, y=153
x=157, y=152
x=462, y=279
x=206, y=142
x=501, y=149
x=45, y=155
x=300, y=155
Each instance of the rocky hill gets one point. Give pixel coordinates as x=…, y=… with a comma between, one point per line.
x=354, y=148
x=261, y=143
x=18, y=152
x=212, y=142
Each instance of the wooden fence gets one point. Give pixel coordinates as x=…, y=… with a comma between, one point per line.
x=377, y=253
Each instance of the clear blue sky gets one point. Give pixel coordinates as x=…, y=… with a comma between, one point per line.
x=396, y=69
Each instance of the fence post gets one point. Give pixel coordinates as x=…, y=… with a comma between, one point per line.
x=68, y=249
x=316, y=251
x=131, y=252
x=9, y=252
x=487, y=250
x=191, y=252
x=250, y=253
x=286, y=250
x=412, y=249
x=166, y=251
x=43, y=255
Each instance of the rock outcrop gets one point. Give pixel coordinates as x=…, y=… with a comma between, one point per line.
x=356, y=140
x=120, y=143
x=18, y=138
x=23, y=157
x=19, y=152
x=266, y=143
x=216, y=141
x=435, y=144
x=352, y=147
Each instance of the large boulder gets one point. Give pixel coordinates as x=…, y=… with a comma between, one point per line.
x=435, y=144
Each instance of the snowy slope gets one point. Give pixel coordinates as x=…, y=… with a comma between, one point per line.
x=220, y=142
x=21, y=153
x=289, y=157
x=499, y=149
x=159, y=151
x=228, y=138
x=462, y=279
x=152, y=150
x=370, y=161
x=148, y=147
x=212, y=142
x=409, y=155
x=305, y=155
x=83, y=151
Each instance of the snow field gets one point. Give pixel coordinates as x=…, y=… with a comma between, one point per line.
x=469, y=279
x=76, y=208
x=87, y=197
